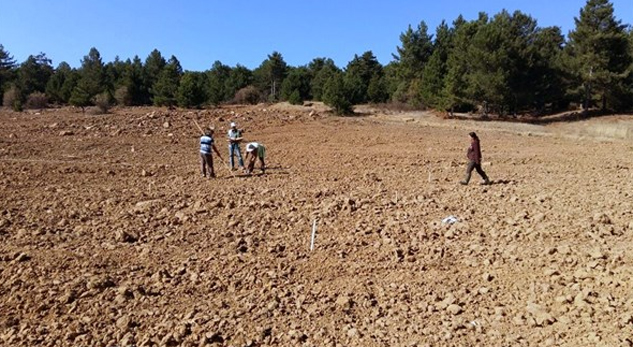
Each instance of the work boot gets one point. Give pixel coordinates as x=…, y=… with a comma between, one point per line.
x=486, y=182
x=463, y=183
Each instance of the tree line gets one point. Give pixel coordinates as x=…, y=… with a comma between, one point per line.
x=504, y=64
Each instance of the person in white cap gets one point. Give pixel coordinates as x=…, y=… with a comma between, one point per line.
x=235, y=138
x=255, y=151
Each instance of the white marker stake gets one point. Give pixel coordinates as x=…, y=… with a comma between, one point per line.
x=313, y=235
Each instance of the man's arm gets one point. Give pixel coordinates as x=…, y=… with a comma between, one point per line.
x=216, y=151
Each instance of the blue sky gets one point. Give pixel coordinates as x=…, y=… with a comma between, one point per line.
x=245, y=32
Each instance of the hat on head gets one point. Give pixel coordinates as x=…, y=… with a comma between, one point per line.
x=250, y=147
x=233, y=125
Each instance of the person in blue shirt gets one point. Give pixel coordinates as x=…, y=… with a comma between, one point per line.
x=206, y=159
x=234, y=138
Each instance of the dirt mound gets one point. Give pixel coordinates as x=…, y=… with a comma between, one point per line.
x=110, y=237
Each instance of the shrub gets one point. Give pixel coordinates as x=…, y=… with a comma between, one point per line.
x=122, y=96
x=12, y=98
x=103, y=102
x=36, y=100
x=247, y=95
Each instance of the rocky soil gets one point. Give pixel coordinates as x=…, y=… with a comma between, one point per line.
x=110, y=237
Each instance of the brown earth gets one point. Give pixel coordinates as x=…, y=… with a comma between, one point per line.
x=110, y=237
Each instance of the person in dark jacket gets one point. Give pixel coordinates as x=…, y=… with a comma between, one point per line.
x=474, y=160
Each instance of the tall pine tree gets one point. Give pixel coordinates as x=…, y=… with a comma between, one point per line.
x=436, y=69
x=166, y=87
x=90, y=81
x=320, y=69
x=217, y=77
x=599, y=59
x=34, y=73
x=154, y=65
x=270, y=75
x=7, y=67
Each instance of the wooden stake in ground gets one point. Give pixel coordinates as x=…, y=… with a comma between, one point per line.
x=223, y=162
x=313, y=235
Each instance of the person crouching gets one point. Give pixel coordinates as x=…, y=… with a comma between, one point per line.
x=255, y=151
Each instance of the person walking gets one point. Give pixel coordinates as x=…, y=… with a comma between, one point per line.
x=206, y=159
x=235, y=138
x=474, y=160
x=255, y=151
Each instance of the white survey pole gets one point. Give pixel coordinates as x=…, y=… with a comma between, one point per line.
x=313, y=235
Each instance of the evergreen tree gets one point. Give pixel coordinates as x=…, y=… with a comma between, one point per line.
x=91, y=80
x=80, y=98
x=598, y=57
x=69, y=85
x=166, y=87
x=295, y=98
x=549, y=75
x=377, y=89
x=57, y=88
x=33, y=74
x=217, y=77
x=435, y=69
x=239, y=77
x=501, y=63
x=417, y=47
x=358, y=74
x=412, y=57
x=336, y=95
x=630, y=79
x=113, y=74
x=391, y=80
x=297, y=82
x=132, y=91
x=192, y=90
x=270, y=75
x=456, y=96
x=7, y=67
x=154, y=65
x=320, y=70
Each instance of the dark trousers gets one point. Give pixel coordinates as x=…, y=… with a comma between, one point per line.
x=207, y=160
x=476, y=166
x=251, y=164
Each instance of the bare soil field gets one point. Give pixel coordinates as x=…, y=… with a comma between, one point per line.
x=110, y=237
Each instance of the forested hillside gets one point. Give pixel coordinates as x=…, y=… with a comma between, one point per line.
x=501, y=64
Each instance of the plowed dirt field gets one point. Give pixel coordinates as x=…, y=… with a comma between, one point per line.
x=110, y=237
